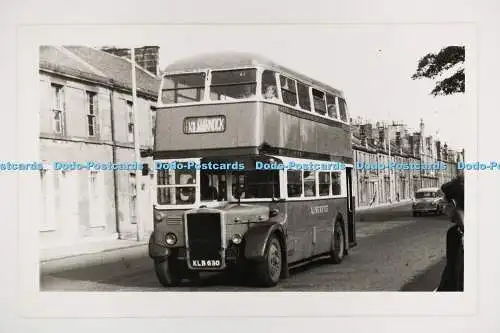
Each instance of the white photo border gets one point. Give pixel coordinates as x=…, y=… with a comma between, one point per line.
x=36, y=304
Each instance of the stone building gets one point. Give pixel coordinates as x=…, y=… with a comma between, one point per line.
x=86, y=115
x=381, y=144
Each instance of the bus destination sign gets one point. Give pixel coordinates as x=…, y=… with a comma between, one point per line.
x=210, y=124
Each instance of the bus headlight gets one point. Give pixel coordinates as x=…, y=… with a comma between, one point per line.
x=171, y=238
x=236, y=239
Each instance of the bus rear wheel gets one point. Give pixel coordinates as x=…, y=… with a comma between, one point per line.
x=338, y=244
x=268, y=272
x=169, y=272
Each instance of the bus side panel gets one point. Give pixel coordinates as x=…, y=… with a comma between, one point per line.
x=303, y=217
x=288, y=128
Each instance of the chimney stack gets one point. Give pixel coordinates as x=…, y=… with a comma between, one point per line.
x=147, y=56
x=381, y=138
x=398, y=139
x=362, y=134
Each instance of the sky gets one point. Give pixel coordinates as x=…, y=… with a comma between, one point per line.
x=372, y=64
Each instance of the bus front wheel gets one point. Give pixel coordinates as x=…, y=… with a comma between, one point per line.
x=168, y=272
x=338, y=244
x=268, y=271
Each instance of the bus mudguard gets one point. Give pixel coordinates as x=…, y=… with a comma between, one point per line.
x=155, y=250
x=257, y=236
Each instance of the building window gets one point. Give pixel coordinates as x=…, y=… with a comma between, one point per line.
x=58, y=108
x=91, y=113
x=130, y=122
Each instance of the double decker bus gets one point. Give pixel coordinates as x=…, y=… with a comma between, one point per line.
x=253, y=169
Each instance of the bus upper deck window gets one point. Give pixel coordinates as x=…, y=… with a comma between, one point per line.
x=269, y=86
x=233, y=84
x=304, y=100
x=183, y=88
x=343, y=109
x=319, y=101
x=331, y=106
x=288, y=91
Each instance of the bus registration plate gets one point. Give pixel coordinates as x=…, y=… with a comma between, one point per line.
x=210, y=124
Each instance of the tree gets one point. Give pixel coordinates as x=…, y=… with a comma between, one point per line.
x=433, y=65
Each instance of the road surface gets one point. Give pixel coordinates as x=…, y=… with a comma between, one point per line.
x=395, y=252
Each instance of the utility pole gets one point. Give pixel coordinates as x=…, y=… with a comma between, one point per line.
x=137, y=148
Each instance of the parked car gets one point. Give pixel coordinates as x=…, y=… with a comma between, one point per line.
x=428, y=200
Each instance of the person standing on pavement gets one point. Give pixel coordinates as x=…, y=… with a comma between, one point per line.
x=373, y=200
x=452, y=278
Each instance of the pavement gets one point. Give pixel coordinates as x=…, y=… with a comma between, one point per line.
x=385, y=212
x=78, y=256
x=383, y=206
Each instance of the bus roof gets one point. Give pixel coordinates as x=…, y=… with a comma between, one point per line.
x=234, y=60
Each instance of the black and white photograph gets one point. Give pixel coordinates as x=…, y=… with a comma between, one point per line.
x=256, y=158
x=198, y=162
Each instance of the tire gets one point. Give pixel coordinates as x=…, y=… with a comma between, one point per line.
x=414, y=214
x=169, y=272
x=338, y=244
x=268, y=272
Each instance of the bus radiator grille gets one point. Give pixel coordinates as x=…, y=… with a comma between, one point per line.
x=204, y=233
